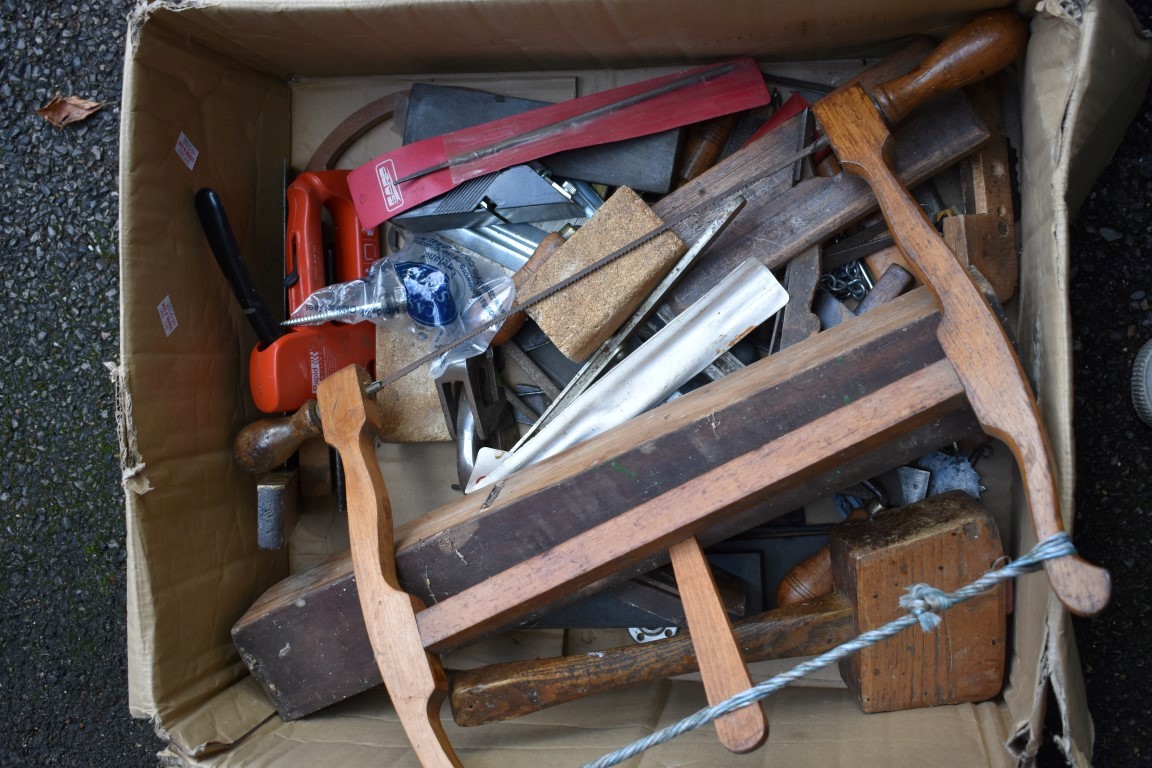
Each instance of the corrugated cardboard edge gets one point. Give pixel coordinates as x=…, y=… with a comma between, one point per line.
x=131, y=463
x=138, y=596
x=138, y=16
x=1098, y=57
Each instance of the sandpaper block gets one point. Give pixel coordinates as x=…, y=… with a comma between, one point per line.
x=581, y=317
x=645, y=163
x=410, y=406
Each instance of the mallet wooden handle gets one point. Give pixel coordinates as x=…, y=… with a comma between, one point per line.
x=510, y=689
x=265, y=444
x=980, y=48
x=723, y=668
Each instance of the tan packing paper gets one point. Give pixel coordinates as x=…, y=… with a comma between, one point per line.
x=224, y=74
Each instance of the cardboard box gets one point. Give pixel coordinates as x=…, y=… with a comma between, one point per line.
x=218, y=93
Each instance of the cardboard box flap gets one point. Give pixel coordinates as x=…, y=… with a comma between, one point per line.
x=363, y=731
x=190, y=120
x=221, y=721
x=1086, y=72
x=364, y=37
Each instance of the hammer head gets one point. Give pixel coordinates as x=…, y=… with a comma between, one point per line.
x=947, y=543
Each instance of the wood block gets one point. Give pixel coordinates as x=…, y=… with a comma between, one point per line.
x=582, y=317
x=986, y=234
x=874, y=560
x=410, y=406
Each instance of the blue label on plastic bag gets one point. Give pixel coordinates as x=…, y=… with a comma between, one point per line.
x=430, y=299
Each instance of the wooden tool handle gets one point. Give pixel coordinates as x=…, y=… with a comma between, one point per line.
x=807, y=579
x=414, y=679
x=981, y=47
x=722, y=668
x=265, y=444
x=995, y=383
x=543, y=252
x=703, y=146
x=510, y=689
x=971, y=336
x=811, y=577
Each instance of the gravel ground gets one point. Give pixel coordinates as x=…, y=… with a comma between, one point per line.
x=63, y=692
x=63, y=697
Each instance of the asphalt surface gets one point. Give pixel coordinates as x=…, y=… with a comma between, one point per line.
x=63, y=698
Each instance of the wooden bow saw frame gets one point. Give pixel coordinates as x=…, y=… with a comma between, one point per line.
x=980, y=363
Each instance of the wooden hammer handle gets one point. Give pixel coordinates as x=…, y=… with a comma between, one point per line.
x=980, y=48
x=266, y=444
x=510, y=689
x=723, y=668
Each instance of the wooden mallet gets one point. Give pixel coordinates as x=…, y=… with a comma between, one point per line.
x=947, y=542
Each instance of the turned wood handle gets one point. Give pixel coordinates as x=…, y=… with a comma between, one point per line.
x=703, y=146
x=548, y=246
x=980, y=48
x=811, y=577
x=265, y=444
x=511, y=689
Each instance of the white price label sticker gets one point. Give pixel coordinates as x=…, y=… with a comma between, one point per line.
x=187, y=151
x=167, y=315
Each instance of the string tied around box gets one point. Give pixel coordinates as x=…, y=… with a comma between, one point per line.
x=923, y=603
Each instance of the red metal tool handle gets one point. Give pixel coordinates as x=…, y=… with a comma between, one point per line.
x=356, y=248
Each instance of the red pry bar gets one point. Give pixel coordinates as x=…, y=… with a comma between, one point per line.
x=396, y=181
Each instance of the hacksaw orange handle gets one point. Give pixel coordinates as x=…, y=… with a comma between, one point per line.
x=356, y=248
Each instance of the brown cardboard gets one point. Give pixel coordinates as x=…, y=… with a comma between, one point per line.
x=233, y=79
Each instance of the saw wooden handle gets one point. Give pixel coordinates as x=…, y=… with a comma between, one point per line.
x=265, y=444
x=980, y=48
x=413, y=677
x=548, y=246
x=972, y=338
x=510, y=689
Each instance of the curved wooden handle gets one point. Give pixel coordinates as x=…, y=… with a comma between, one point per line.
x=973, y=340
x=413, y=677
x=548, y=246
x=265, y=444
x=980, y=48
x=511, y=689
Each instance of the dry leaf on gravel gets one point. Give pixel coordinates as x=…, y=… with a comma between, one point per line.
x=62, y=110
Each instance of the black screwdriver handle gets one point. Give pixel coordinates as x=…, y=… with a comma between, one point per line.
x=218, y=231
